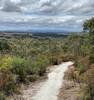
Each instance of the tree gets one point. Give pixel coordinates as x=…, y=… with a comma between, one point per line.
x=88, y=26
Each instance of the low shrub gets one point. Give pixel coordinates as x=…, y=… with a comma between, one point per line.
x=37, y=67
x=2, y=96
x=5, y=62
x=7, y=82
x=4, y=46
x=33, y=78
x=19, y=68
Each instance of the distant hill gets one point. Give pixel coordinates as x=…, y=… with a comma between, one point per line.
x=36, y=34
x=49, y=35
x=33, y=34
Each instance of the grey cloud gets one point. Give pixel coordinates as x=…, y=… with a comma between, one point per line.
x=76, y=7
x=9, y=6
x=68, y=14
x=86, y=9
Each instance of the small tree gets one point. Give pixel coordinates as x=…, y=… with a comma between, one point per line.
x=19, y=68
x=4, y=46
x=89, y=27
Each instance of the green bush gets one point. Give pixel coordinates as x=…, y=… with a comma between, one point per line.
x=7, y=82
x=83, y=64
x=92, y=56
x=10, y=88
x=41, y=66
x=33, y=78
x=19, y=68
x=81, y=68
x=2, y=96
x=5, y=62
x=4, y=46
x=37, y=67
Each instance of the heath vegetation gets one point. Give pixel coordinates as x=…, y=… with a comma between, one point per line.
x=25, y=59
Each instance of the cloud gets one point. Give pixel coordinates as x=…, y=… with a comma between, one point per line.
x=10, y=6
x=66, y=14
x=76, y=7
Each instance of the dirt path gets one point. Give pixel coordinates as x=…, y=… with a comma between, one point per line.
x=49, y=88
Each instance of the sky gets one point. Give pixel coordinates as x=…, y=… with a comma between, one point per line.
x=45, y=15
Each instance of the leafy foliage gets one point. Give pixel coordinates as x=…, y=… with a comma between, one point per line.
x=19, y=68
x=89, y=26
x=4, y=46
x=5, y=62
